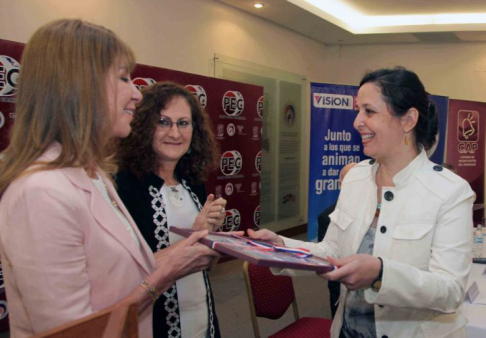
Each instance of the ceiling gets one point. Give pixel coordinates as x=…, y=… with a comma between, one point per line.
x=328, y=29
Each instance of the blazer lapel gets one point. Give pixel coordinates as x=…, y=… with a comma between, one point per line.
x=109, y=220
x=144, y=249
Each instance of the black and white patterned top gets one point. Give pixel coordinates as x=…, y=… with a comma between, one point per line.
x=143, y=199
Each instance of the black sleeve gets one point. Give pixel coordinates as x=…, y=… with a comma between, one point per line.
x=137, y=201
x=201, y=194
x=323, y=222
x=125, y=182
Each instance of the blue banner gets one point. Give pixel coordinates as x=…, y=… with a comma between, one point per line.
x=335, y=143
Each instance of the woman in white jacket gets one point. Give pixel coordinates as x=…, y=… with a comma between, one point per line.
x=400, y=236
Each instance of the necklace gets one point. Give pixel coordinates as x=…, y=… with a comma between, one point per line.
x=176, y=196
x=95, y=177
x=111, y=198
x=378, y=209
x=125, y=223
x=103, y=189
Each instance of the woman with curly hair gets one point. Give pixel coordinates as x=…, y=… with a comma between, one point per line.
x=164, y=163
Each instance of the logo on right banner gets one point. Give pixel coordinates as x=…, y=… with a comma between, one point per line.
x=468, y=126
x=468, y=131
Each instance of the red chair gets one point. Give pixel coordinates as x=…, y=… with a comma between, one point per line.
x=270, y=296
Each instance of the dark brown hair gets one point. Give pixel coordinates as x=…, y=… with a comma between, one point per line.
x=136, y=152
x=402, y=90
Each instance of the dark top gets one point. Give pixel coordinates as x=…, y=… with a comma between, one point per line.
x=143, y=199
x=323, y=222
x=136, y=196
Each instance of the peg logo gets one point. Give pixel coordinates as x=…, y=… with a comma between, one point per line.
x=231, y=162
x=233, y=103
x=199, y=93
x=9, y=75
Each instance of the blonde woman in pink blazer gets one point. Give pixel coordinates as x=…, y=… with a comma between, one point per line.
x=68, y=245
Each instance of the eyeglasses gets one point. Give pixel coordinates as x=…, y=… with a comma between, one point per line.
x=182, y=125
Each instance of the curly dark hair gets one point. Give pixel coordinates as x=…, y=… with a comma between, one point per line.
x=136, y=152
x=402, y=90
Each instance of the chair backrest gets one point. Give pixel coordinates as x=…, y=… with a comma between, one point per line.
x=271, y=295
x=114, y=322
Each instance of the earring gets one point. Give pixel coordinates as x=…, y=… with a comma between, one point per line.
x=406, y=140
x=189, y=150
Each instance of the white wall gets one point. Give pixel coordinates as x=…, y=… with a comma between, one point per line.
x=454, y=70
x=176, y=34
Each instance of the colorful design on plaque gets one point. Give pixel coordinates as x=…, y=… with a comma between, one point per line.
x=289, y=114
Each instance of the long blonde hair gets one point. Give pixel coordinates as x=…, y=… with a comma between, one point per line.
x=61, y=97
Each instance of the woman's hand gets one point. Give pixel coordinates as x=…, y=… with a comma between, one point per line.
x=212, y=214
x=265, y=235
x=181, y=259
x=177, y=261
x=355, y=271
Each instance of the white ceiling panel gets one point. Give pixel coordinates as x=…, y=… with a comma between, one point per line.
x=295, y=18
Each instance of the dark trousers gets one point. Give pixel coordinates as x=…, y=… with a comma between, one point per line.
x=334, y=291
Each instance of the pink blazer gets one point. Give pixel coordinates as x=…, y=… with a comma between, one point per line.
x=65, y=253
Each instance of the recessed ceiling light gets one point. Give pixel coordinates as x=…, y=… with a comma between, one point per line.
x=258, y=5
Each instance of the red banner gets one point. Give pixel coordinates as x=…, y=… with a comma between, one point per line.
x=465, y=145
x=10, y=53
x=235, y=109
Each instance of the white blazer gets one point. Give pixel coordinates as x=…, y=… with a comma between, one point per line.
x=424, y=236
